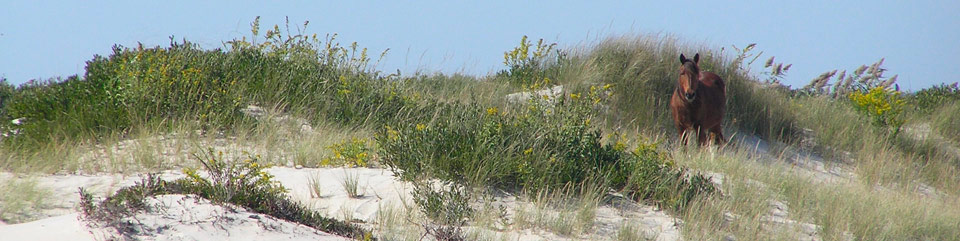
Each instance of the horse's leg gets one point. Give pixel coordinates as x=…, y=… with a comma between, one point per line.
x=718, y=135
x=701, y=136
x=682, y=133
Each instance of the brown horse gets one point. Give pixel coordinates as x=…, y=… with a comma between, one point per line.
x=698, y=102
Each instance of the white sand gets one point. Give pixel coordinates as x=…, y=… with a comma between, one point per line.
x=377, y=186
x=805, y=162
x=182, y=217
x=174, y=217
x=64, y=227
x=185, y=218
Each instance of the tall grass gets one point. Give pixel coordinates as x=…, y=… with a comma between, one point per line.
x=643, y=73
x=856, y=209
x=946, y=121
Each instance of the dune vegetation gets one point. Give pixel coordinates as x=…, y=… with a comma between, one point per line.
x=848, y=157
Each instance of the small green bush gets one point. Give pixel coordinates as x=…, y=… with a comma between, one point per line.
x=929, y=99
x=884, y=106
x=447, y=209
x=448, y=206
x=126, y=202
x=353, y=153
x=232, y=181
x=525, y=68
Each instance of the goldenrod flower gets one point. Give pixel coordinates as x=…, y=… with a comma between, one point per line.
x=492, y=111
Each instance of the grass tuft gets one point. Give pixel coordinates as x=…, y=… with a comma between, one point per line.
x=351, y=185
x=313, y=183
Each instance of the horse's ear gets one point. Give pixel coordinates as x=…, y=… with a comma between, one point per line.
x=696, y=58
x=682, y=58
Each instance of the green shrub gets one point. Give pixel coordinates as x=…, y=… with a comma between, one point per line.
x=6, y=92
x=447, y=206
x=525, y=68
x=539, y=146
x=447, y=209
x=929, y=99
x=140, y=86
x=125, y=203
x=883, y=106
x=232, y=181
x=354, y=152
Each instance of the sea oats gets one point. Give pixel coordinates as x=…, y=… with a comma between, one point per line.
x=890, y=81
x=860, y=70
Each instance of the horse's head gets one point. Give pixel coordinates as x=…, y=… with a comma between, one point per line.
x=688, y=82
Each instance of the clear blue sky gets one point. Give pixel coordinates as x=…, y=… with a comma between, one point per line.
x=920, y=39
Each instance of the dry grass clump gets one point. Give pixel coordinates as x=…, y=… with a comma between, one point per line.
x=570, y=212
x=22, y=199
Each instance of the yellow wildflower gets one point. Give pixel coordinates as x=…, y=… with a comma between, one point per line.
x=492, y=111
x=325, y=162
x=619, y=146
